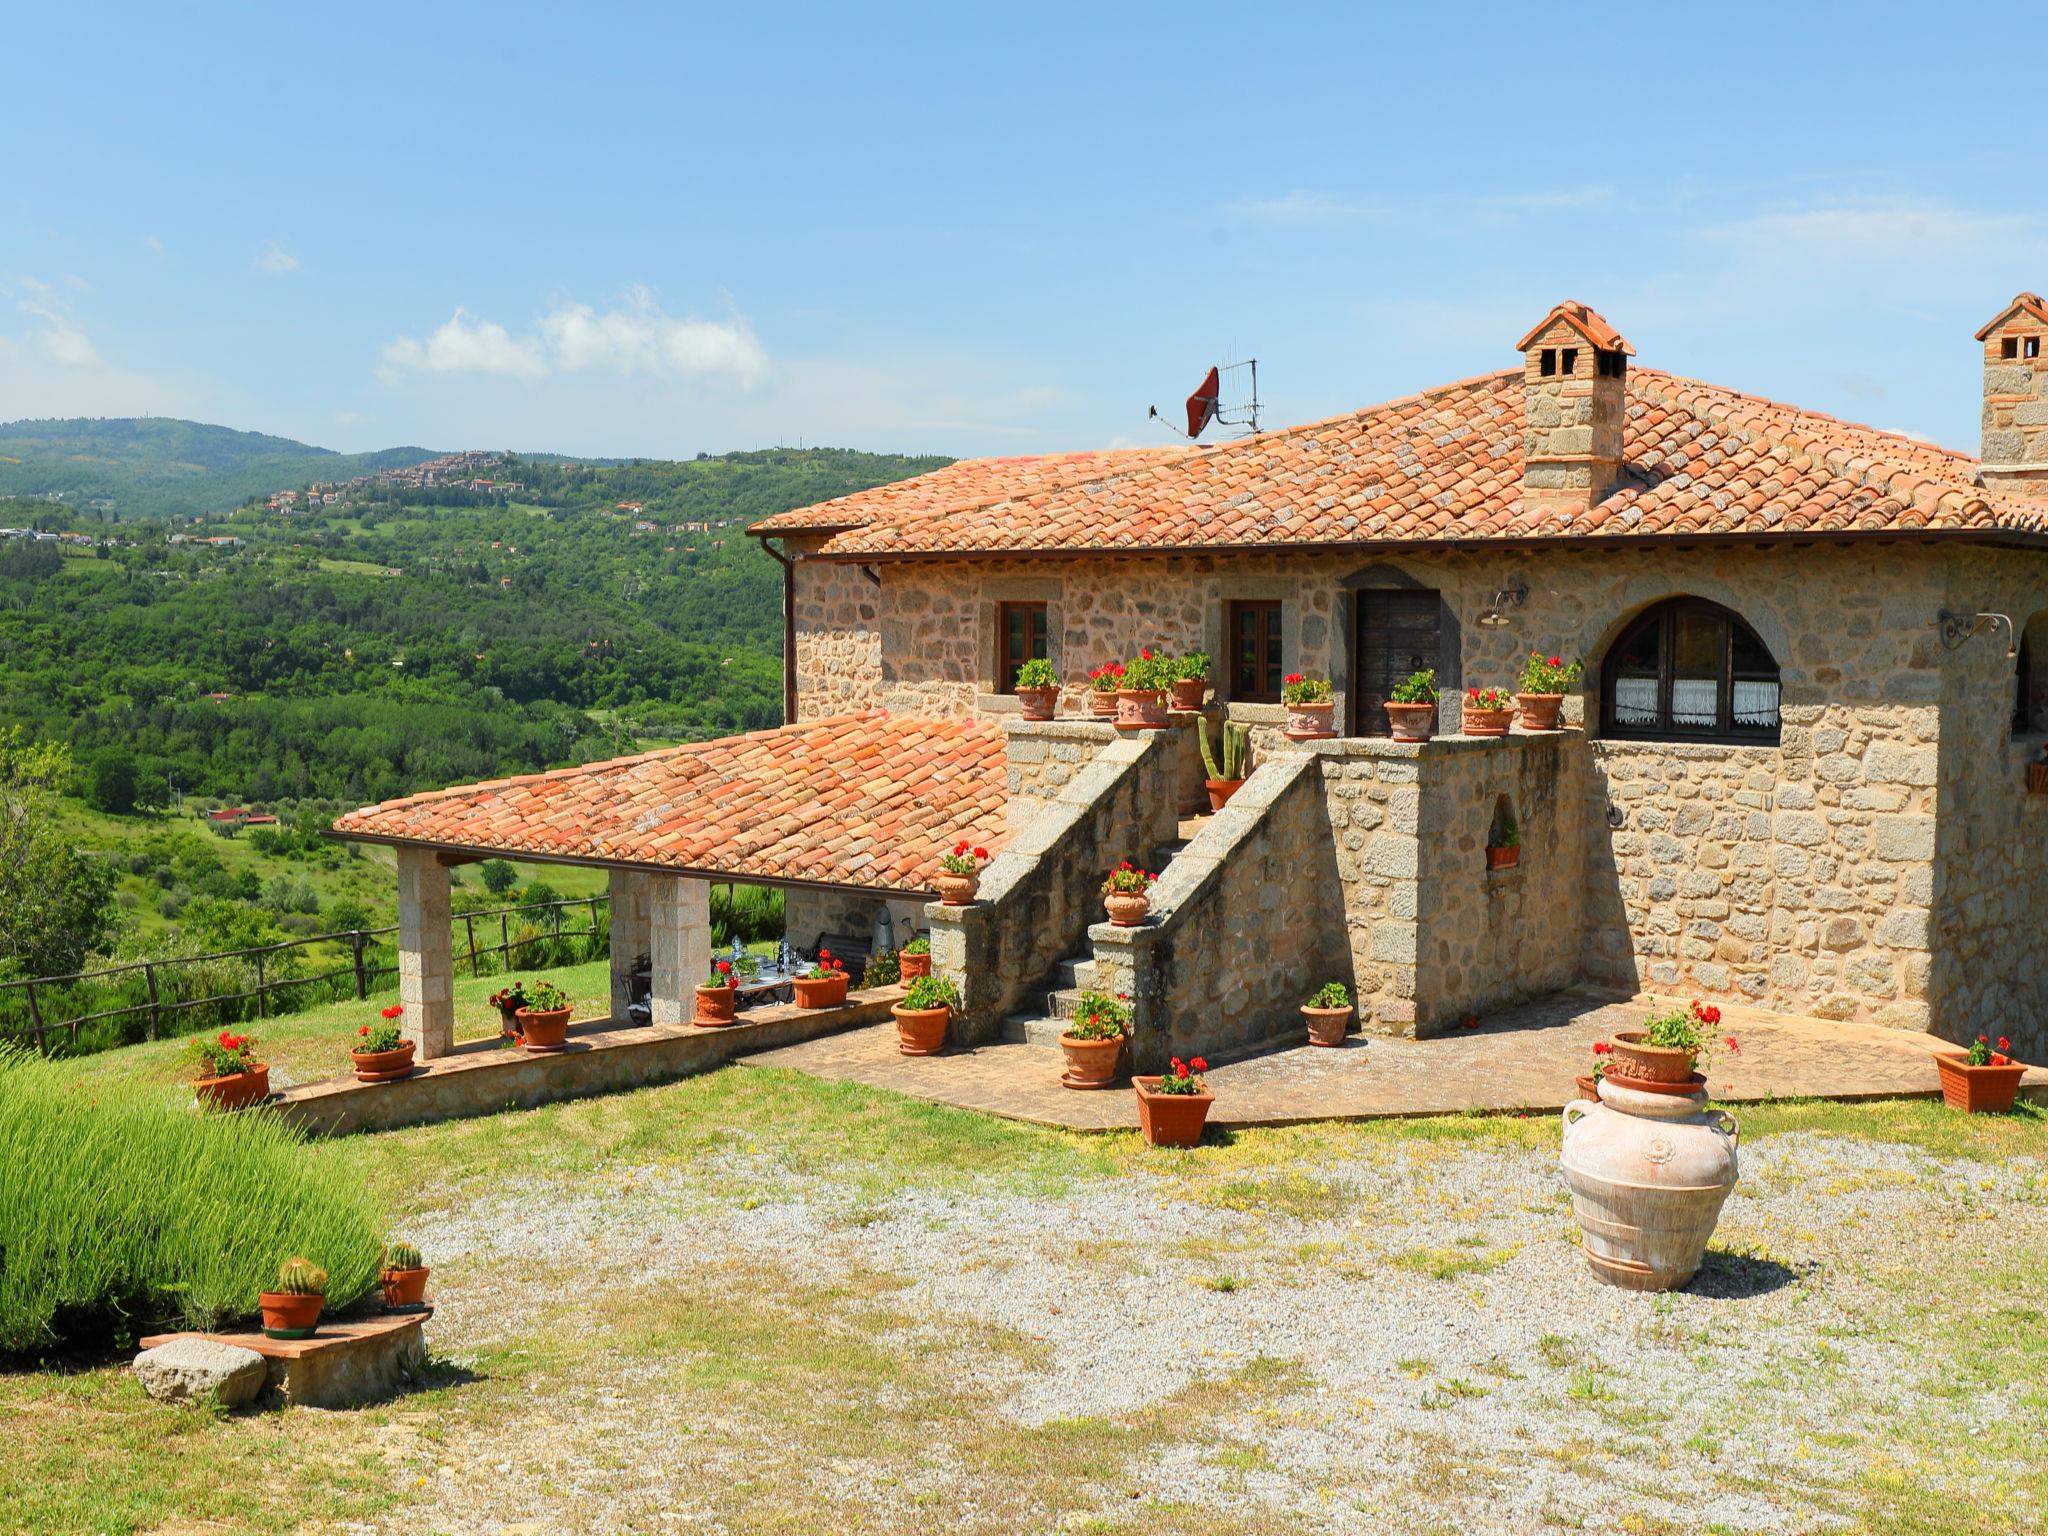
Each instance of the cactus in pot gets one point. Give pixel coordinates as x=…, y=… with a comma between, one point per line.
x=292, y=1311
x=1223, y=779
x=403, y=1276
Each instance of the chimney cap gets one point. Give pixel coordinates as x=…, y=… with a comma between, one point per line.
x=1587, y=321
x=2029, y=303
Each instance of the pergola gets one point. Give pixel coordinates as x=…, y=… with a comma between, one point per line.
x=864, y=803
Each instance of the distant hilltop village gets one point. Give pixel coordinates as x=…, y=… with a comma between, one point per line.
x=451, y=471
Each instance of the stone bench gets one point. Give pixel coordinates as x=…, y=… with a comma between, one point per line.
x=345, y=1364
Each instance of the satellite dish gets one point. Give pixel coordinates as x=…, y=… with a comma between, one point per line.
x=1203, y=402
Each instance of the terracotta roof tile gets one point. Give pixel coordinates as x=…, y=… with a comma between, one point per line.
x=869, y=799
x=969, y=483
x=1446, y=466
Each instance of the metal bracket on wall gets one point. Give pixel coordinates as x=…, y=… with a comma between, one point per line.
x=872, y=574
x=1958, y=628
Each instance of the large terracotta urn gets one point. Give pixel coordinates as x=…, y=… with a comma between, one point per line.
x=1648, y=1173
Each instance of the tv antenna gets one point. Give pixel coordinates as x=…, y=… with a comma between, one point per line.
x=1206, y=405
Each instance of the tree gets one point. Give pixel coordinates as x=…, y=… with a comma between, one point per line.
x=56, y=902
x=499, y=876
x=110, y=782
x=347, y=915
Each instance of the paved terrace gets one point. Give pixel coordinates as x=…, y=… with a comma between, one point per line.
x=1522, y=1059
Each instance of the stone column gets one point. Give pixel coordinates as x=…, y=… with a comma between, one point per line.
x=426, y=965
x=679, y=923
x=630, y=902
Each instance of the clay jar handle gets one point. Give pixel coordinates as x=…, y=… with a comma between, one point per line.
x=1725, y=1124
x=1579, y=1107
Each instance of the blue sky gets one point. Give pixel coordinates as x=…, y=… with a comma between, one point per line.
x=663, y=229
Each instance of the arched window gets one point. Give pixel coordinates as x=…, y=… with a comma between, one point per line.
x=1690, y=670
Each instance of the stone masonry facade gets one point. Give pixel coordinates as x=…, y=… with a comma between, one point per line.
x=1882, y=862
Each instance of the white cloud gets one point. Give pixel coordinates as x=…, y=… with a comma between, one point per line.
x=276, y=260
x=56, y=337
x=634, y=337
x=153, y=245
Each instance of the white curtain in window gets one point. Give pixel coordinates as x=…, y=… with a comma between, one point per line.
x=1695, y=701
x=1756, y=704
x=1635, y=700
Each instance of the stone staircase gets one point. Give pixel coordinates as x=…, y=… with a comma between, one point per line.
x=1042, y=1019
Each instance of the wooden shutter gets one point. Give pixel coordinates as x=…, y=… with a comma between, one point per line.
x=1397, y=633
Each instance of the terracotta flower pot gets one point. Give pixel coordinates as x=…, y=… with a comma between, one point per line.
x=236, y=1089
x=1636, y=1062
x=383, y=1066
x=1589, y=1089
x=508, y=1023
x=1189, y=692
x=287, y=1315
x=404, y=1287
x=1310, y=722
x=1102, y=703
x=1985, y=1090
x=820, y=992
x=1126, y=910
x=1038, y=702
x=1141, y=709
x=921, y=1031
x=1540, y=710
x=1327, y=1026
x=1487, y=722
x=547, y=1031
x=1220, y=791
x=914, y=966
x=1170, y=1119
x=1412, y=722
x=956, y=890
x=716, y=1006
x=1504, y=858
x=1090, y=1063
x=2037, y=778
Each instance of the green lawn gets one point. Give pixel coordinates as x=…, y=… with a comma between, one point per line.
x=705, y=1301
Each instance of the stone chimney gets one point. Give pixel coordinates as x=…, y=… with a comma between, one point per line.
x=1575, y=375
x=2015, y=450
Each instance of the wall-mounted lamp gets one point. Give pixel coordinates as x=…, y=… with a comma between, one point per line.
x=1958, y=628
x=1493, y=615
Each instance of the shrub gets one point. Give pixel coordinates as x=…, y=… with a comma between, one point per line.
x=932, y=992
x=749, y=913
x=1418, y=688
x=1331, y=994
x=140, y=1213
x=1037, y=673
x=884, y=969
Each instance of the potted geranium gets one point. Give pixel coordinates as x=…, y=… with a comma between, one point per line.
x=1506, y=851
x=922, y=1016
x=381, y=1053
x=1173, y=1107
x=1411, y=708
x=1589, y=1083
x=1545, y=681
x=544, y=1021
x=1664, y=1056
x=1328, y=1011
x=292, y=1311
x=718, y=996
x=508, y=1001
x=1982, y=1080
x=1103, y=683
x=1123, y=894
x=1141, y=692
x=1190, y=680
x=1488, y=711
x=1226, y=778
x=403, y=1277
x=1038, y=686
x=1310, y=704
x=230, y=1076
x=917, y=958
x=959, y=875
x=1094, y=1040
x=823, y=985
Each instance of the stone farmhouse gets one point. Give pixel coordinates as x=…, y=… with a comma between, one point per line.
x=1795, y=776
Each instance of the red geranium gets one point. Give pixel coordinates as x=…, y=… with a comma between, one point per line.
x=394, y=1010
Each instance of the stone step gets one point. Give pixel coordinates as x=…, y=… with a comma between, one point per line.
x=1077, y=971
x=1032, y=1029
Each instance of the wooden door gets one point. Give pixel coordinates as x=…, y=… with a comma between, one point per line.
x=1396, y=633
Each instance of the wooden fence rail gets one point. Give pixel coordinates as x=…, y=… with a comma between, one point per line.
x=362, y=969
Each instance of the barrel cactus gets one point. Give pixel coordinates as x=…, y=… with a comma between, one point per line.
x=402, y=1256
x=301, y=1277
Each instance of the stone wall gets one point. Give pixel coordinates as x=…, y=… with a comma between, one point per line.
x=810, y=915
x=1039, y=894
x=1241, y=928
x=1044, y=756
x=1800, y=877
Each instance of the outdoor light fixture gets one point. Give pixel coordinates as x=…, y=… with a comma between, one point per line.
x=1492, y=615
x=1958, y=628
